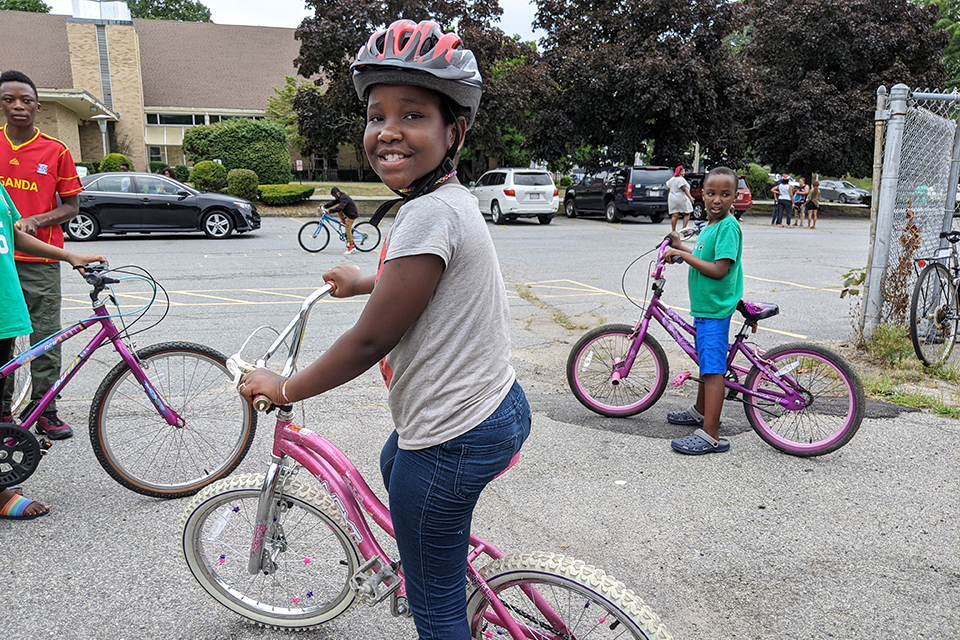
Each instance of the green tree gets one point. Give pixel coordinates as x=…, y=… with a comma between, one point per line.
x=949, y=22
x=820, y=64
x=184, y=10
x=280, y=108
x=329, y=43
x=34, y=6
x=642, y=75
x=259, y=146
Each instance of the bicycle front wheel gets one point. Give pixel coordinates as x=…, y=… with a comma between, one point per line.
x=22, y=380
x=832, y=397
x=934, y=315
x=141, y=451
x=553, y=596
x=590, y=367
x=314, y=237
x=366, y=236
x=309, y=544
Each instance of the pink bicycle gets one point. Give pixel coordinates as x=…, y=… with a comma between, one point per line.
x=164, y=422
x=294, y=556
x=802, y=399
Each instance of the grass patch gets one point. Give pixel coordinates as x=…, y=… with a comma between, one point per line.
x=559, y=317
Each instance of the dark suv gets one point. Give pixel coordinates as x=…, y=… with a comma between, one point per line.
x=616, y=192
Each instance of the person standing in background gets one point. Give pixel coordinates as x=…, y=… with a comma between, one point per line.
x=679, y=199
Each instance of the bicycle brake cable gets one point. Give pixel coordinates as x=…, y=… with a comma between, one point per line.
x=623, y=278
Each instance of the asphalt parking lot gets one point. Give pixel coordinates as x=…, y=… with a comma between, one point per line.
x=862, y=543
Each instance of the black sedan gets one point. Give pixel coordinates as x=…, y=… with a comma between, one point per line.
x=127, y=202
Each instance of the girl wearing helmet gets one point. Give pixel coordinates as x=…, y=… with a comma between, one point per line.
x=437, y=319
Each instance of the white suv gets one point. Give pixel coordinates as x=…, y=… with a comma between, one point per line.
x=508, y=194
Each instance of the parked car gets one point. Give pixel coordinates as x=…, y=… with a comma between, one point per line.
x=741, y=205
x=615, y=192
x=125, y=202
x=509, y=193
x=842, y=191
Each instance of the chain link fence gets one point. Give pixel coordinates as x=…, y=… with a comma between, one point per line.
x=914, y=195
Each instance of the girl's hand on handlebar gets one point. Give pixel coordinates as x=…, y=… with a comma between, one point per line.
x=83, y=259
x=347, y=281
x=262, y=382
x=670, y=253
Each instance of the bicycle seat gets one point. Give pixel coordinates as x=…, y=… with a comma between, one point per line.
x=756, y=311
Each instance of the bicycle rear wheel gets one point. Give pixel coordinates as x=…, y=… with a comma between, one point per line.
x=591, y=362
x=313, y=236
x=22, y=381
x=366, y=236
x=577, y=601
x=311, y=547
x=934, y=315
x=833, y=400
x=136, y=446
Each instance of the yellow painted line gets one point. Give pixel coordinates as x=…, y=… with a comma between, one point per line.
x=794, y=284
x=204, y=295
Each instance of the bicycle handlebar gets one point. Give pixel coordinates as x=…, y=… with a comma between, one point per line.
x=951, y=236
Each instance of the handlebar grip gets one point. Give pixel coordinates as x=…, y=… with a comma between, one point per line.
x=261, y=403
x=676, y=259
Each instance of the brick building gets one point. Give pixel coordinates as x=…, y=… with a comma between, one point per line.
x=145, y=80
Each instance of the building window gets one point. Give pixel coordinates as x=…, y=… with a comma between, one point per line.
x=214, y=119
x=156, y=154
x=153, y=118
x=170, y=118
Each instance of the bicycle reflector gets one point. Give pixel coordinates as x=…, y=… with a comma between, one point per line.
x=921, y=263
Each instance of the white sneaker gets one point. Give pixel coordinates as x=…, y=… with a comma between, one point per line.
x=350, y=249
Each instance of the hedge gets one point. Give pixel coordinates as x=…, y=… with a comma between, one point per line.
x=278, y=194
x=111, y=162
x=208, y=176
x=156, y=166
x=91, y=166
x=242, y=183
x=758, y=179
x=182, y=172
x=258, y=145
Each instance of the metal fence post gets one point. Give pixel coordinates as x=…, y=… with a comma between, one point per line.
x=873, y=308
x=879, y=120
x=950, y=205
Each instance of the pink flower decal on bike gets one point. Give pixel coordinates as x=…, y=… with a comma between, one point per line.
x=306, y=561
x=294, y=600
x=223, y=558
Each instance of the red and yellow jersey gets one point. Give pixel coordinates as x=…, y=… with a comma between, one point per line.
x=33, y=174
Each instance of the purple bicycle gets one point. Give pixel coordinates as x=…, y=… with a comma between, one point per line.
x=294, y=554
x=165, y=422
x=802, y=399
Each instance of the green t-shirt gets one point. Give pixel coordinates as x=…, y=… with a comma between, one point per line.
x=14, y=321
x=711, y=298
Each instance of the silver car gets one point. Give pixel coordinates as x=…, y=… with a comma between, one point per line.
x=841, y=191
x=508, y=194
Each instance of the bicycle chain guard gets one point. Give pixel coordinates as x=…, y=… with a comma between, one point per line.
x=20, y=454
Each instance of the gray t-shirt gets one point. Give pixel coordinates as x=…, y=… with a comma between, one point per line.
x=451, y=370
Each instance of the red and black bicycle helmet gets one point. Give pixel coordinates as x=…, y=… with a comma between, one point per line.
x=421, y=55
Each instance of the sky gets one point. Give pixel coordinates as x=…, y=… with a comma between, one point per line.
x=517, y=14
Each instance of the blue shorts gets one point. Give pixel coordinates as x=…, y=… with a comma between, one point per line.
x=712, y=342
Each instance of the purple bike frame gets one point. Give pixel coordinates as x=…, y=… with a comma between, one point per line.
x=108, y=331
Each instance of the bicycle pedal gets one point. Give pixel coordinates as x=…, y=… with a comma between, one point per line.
x=379, y=585
x=680, y=379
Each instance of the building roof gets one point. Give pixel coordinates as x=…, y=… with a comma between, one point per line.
x=200, y=65
x=42, y=52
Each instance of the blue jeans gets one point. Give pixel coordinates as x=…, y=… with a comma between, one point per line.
x=432, y=496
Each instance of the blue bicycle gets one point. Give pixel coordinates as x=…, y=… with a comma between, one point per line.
x=314, y=236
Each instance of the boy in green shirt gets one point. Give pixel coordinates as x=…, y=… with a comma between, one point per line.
x=715, y=282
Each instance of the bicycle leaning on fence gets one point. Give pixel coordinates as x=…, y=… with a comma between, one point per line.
x=165, y=422
x=287, y=554
x=934, y=306
x=314, y=236
x=802, y=399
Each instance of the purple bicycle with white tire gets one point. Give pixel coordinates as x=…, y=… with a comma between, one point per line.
x=802, y=399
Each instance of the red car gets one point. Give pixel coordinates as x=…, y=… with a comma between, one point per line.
x=743, y=202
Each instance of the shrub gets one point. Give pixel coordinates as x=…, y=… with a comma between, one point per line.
x=111, y=162
x=157, y=166
x=565, y=181
x=243, y=184
x=91, y=166
x=182, y=172
x=278, y=194
x=239, y=143
x=208, y=176
x=758, y=179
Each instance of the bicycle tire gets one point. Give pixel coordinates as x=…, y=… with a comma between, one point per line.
x=590, y=603
x=22, y=380
x=834, y=404
x=366, y=236
x=590, y=364
x=315, y=565
x=136, y=446
x=314, y=239
x=934, y=315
